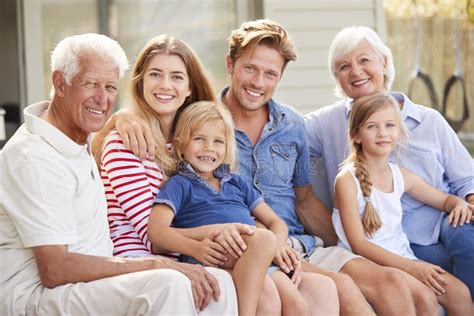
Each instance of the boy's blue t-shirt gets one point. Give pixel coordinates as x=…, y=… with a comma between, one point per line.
x=195, y=202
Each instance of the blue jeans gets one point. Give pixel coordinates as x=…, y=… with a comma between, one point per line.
x=454, y=252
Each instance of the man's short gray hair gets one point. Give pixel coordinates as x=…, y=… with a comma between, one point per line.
x=346, y=41
x=68, y=52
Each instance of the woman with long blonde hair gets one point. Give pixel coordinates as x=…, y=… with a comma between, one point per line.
x=167, y=77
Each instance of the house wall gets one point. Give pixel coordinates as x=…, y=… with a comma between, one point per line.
x=312, y=24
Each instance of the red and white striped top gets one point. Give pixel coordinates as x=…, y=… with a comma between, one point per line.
x=130, y=186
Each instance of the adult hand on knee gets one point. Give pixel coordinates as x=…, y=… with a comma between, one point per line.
x=203, y=284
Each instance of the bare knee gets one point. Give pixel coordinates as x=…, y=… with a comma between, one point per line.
x=269, y=302
x=320, y=292
x=344, y=283
x=426, y=302
x=294, y=303
x=262, y=240
x=460, y=292
x=386, y=282
x=351, y=299
x=394, y=279
x=298, y=307
x=457, y=297
x=328, y=284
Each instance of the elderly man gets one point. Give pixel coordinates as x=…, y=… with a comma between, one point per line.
x=56, y=254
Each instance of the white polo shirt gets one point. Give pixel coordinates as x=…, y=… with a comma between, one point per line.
x=50, y=194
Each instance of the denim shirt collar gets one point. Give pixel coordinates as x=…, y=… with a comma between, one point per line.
x=222, y=172
x=275, y=112
x=409, y=109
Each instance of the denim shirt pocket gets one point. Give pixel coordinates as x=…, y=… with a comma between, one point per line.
x=284, y=160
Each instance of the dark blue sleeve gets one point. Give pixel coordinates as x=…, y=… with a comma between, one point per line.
x=174, y=193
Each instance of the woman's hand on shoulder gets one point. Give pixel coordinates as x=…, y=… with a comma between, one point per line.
x=135, y=133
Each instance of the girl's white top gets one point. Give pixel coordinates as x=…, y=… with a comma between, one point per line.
x=390, y=236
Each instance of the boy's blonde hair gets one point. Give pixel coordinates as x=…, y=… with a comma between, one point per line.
x=195, y=116
x=361, y=110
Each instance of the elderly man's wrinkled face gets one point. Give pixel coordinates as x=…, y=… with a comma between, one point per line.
x=90, y=98
x=361, y=72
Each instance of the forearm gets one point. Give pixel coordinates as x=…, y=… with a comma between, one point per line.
x=381, y=256
x=451, y=202
x=198, y=233
x=57, y=266
x=317, y=221
x=168, y=239
x=280, y=230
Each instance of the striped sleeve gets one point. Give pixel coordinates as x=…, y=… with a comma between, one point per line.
x=130, y=185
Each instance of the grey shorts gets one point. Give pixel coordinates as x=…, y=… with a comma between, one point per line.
x=327, y=258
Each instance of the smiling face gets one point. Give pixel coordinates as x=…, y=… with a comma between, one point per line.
x=379, y=134
x=89, y=100
x=361, y=72
x=206, y=148
x=254, y=77
x=166, y=84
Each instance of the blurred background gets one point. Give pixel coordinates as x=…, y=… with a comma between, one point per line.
x=433, y=39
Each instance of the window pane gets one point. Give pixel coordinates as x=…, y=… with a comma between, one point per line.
x=60, y=19
x=204, y=25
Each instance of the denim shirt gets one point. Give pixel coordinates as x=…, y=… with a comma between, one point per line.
x=435, y=153
x=278, y=163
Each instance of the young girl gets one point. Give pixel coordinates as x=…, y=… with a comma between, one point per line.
x=206, y=192
x=368, y=213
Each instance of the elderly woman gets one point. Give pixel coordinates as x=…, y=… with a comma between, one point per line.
x=361, y=64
